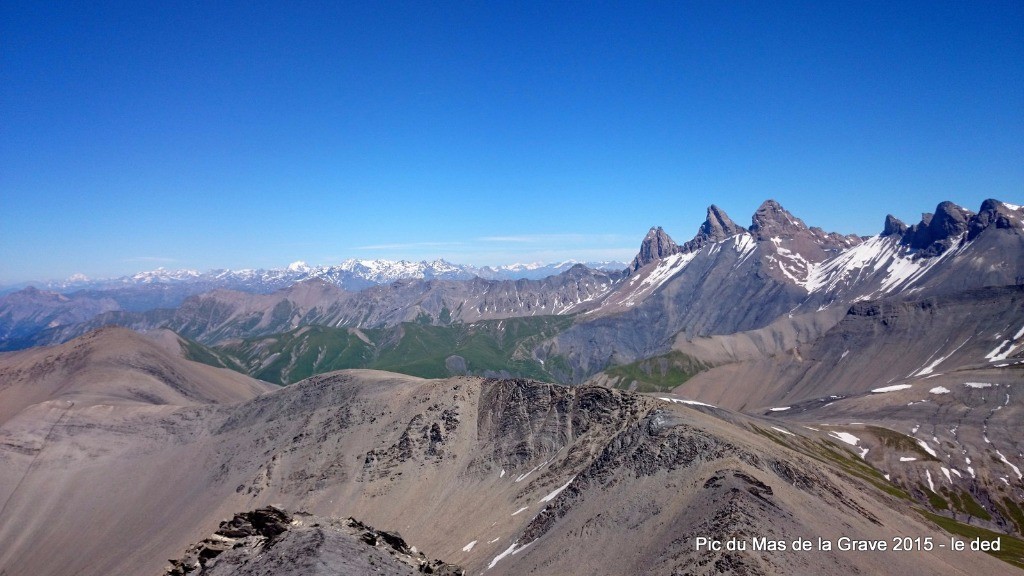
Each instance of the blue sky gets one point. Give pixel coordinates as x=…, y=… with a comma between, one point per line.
x=252, y=134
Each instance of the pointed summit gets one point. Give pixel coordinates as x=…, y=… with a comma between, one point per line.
x=656, y=245
x=717, y=227
x=771, y=219
x=893, y=226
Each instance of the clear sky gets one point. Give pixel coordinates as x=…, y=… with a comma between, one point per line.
x=251, y=134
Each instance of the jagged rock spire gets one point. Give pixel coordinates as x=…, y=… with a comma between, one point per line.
x=655, y=246
x=716, y=227
x=893, y=226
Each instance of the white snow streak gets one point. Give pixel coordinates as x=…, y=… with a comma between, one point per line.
x=927, y=448
x=892, y=388
x=1007, y=462
x=681, y=401
x=510, y=550
x=557, y=491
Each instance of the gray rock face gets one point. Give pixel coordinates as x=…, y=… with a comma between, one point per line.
x=655, y=246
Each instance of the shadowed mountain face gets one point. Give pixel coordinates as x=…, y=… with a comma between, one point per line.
x=497, y=476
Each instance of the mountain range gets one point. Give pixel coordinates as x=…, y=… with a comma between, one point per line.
x=351, y=274
x=768, y=381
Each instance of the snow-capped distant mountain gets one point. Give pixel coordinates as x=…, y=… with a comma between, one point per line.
x=352, y=274
x=538, y=270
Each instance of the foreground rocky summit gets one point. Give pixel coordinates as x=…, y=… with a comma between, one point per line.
x=271, y=542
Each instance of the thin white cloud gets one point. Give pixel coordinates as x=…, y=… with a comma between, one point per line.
x=149, y=259
x=554, y=239
x=409, y=245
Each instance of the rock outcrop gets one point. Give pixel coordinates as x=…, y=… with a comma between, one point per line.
x=269, y=541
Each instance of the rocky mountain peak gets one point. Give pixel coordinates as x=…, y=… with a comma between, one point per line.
x=997, y=214
x=937, y=232
x=893, y=226
x=716, y=227
x=949, y=220
x=655, y=246
x=771, y=220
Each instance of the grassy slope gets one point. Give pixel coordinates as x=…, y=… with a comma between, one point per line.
x=657, y=373
x=418, y=349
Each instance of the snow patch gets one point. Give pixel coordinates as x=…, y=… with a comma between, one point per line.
x=845, y=437
x=681, y=401
x=939, y=390
x=907, y=459
x=783, y=431
x=977, y=384
x=523, y=509
x=931, y=485
x=780, y=408
x=469, y=546
x=927, y=448
x=892, y=388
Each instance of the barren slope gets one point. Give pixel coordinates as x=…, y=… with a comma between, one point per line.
x=116, y=366
x=561, y=480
